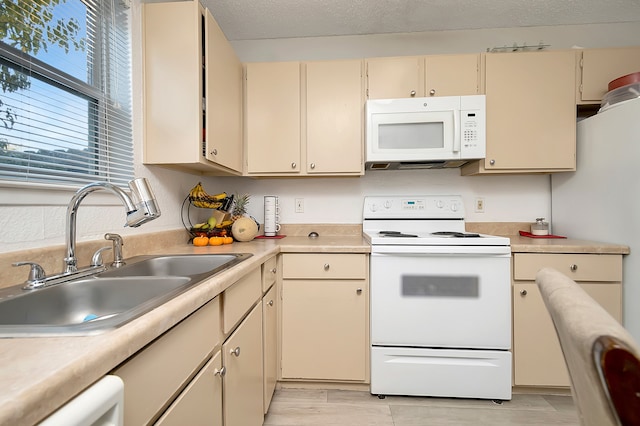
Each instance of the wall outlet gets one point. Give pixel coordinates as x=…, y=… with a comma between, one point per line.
x=299, y=205
x=479, y=205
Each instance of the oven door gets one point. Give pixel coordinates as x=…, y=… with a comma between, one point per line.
x=441, y=297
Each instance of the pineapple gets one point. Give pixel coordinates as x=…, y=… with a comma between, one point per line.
x=239, y=206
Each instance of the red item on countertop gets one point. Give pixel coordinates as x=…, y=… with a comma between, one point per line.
x=530, y=235
x=634, y=77
x=275, y=237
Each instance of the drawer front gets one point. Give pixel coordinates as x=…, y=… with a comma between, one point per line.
x=578, y=267
x=238, y=299
x=324, y=266
x=153, y=376
x=269, y=273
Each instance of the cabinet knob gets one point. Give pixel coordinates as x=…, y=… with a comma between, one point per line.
x=413, y=93
x=312, y=165
x=294, y=165
x=573, y=267
x=359, y=291
x=220, y=372
x=492, y=162
x=523, y=292
x=214, y=152
x=432, y=92
x=326, y=266
x=270, y=303
x=235, y=351
x=273, y=271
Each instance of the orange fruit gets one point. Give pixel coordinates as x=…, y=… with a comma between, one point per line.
x=200, y=241
x=215, y=241
x=227, y=240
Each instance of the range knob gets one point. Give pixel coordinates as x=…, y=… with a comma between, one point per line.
x=439, y=204
x=454, y=207
x=387, y=204
x=373, y=207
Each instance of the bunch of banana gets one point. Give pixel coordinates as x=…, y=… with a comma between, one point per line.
x=224, y=224
x=199, y=198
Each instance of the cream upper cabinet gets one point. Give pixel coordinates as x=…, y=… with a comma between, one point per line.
x=272, y=117
x=325, y=319
x=538, y=359
x=192, y=107
x=397, y=77
x=223, y=115
x=600, y=66
x=304, y=119
x=334, y=117
x=420, y=76
x=452, y=75
x=531, y=113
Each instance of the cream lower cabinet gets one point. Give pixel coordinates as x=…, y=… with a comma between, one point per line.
x=531, y=113
x=538, y=359
x=270, y=342
x=201, y=401
x=243, y=380
x=325, y=300
x=165, y=370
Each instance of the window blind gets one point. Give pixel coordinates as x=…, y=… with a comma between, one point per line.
x=65, y=104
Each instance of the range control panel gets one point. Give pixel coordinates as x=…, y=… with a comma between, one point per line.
x=413, y=207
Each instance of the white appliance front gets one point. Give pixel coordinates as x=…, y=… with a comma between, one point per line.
x=445, y=300
x=441, y=372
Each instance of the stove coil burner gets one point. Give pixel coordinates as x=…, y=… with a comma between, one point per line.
x=454, y=234
x=396, y=234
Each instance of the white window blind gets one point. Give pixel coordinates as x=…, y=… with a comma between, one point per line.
x=65, y=104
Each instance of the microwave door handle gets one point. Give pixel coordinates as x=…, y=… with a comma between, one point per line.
x=456, y=131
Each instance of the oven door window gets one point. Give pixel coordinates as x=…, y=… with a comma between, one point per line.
x=440, y=286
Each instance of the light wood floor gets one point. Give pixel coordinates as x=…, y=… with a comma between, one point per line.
x=298, y=407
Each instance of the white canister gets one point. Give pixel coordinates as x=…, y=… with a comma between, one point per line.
x=271, y=216
x=540, y=227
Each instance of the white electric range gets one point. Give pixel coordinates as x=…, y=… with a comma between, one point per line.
x=440, y=300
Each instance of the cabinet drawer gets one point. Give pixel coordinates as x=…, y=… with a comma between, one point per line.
x=324, y=266
x=238, y=299
x=578, y=267
x=269, y=273
x=153, y=375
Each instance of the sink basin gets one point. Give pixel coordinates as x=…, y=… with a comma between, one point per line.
x=176, y=265
x=106, y=301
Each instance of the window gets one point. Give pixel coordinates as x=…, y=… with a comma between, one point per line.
x=65, y=103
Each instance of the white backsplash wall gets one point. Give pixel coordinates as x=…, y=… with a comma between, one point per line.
x=339, y=200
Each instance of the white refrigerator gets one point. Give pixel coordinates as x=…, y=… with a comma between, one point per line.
x=600, y=201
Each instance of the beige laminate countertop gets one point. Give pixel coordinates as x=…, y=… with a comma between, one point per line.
x=38, y=375
x=520, y=244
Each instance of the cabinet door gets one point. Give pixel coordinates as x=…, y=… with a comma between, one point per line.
x=201, y=402
x=224, y=99
x=452, y=75
x=173, y=83
x=400, y=77
x=243, y=381
x=273, y=117
x=334, y=115
x=324, y=329
x=538, y=359
x=600, y=66
x=531, y=111
x=270, y=339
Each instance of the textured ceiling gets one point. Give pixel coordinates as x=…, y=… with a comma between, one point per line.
x=266, y=19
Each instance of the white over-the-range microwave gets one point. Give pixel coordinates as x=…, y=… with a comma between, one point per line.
x=424, y=133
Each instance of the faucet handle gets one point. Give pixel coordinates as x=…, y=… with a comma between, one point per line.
x=96, y=260
x=117, y=249
x=36, y=273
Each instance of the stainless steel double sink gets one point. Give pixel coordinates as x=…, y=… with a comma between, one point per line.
x=103, y=302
